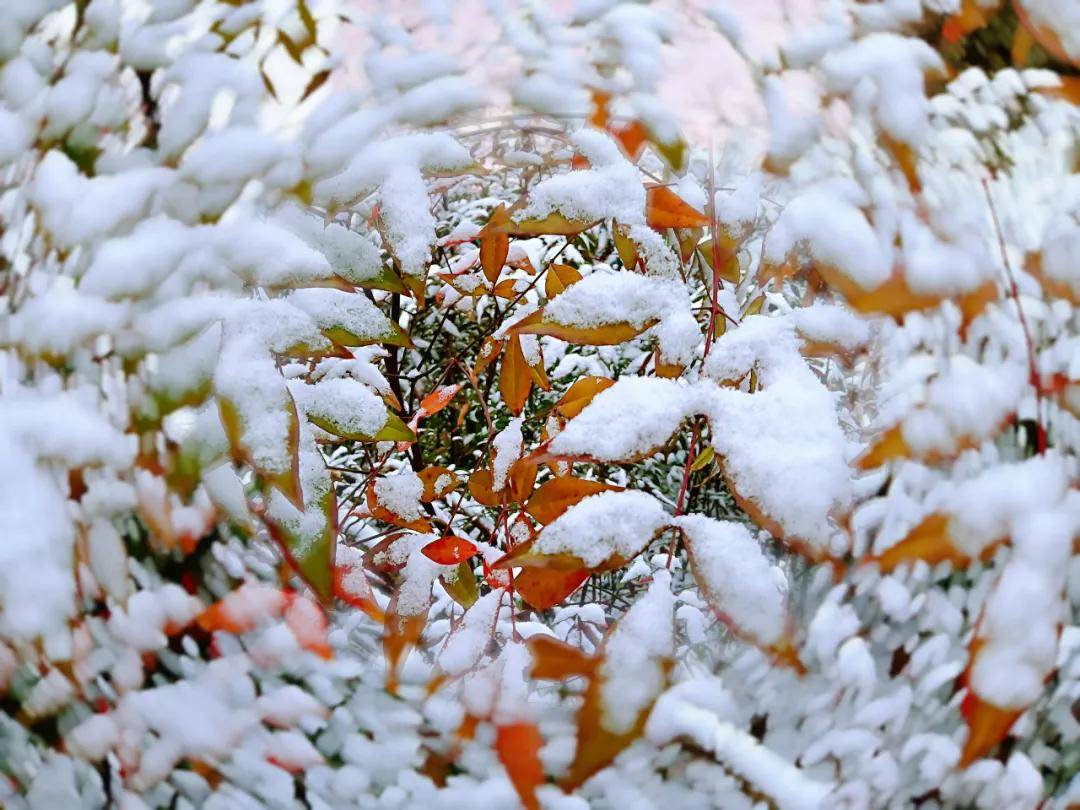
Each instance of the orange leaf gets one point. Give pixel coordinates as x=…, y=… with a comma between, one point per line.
x=931, y=542
x=607, y=335
x=599, y=116
x=449, y=550
x=987, y=726
x=489, y=350
x=554, y=660
x=969, y=18
x=480, y=487
x=494, y=244
x=438, y=399
x=507, y=288
x=377, y=558
x=665, y=209
x=243, y=609
x=597, y=747
x=522, y=480
x=543, y=588
x=438, y=482
x=558, y=494
x=518, y=746
x=515, y=378
x=559, y=277
x=632, y=137
x=580, y=394
x=380, y=512
x=400, y=634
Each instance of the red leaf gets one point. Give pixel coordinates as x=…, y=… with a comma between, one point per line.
x=449, y=550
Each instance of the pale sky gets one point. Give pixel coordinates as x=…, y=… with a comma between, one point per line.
x=705, y=83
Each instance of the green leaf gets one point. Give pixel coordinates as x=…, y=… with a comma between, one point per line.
x=462, y=588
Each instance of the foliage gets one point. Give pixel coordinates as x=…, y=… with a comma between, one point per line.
x=379, y=449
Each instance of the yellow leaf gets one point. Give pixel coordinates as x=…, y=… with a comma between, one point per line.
x=559, y=277
x=462, y=588
x=480, y=487
x=729, y=259
x=580, y=394
x=703, y=458
x=624, y=246
x=554, y=224
x=606, y=335
x=489, y=350
x=507, y=288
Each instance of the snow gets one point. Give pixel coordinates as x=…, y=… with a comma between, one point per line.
x=507, y=445
x=966, y=401
x=609, y=189
x=1022, y=618
x=783, y=450
x=632, y=419
x=832, y=231
x=792, y=134
x=888, y=70
x=351, y=255
x=468, y=641
x=632, y=670
x=343, y=403
x=248, y=380
x=401, y=493
x=603, y=298
x=76, y=209
x=349, y=317
x=602, y=526
x=736, y=576
x=155, y=281
x=831, y=324
x=1059, y=17
x=768, y=772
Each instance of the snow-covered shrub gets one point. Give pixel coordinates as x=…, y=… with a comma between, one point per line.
x=399, y=447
